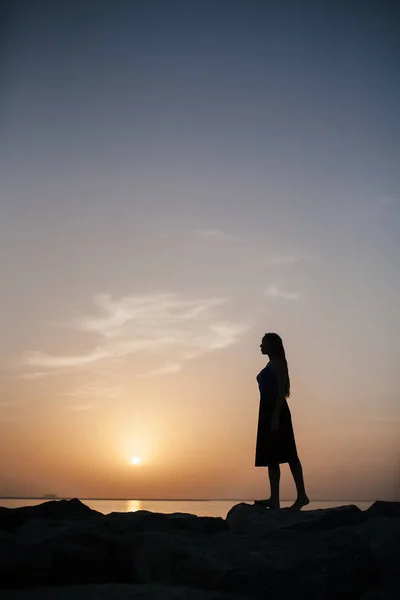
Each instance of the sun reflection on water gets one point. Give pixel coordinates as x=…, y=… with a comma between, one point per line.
x=134, y=505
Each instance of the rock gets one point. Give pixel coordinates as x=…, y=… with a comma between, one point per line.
x=283, y=565
x=143, y=520
x=382, y=538
x=221, y=562
x=35, y=531
x=256, y=553
x=11, y=518
x=117, y=592
x=62, y=552
x=319, y=564
x=253, y=518
x=391, y=510
x=388, y=590
x=78, y=554
x=77, y=562
x=187, y=522
x=330, y=518
x=19, y=566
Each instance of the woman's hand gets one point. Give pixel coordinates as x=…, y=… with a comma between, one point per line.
x=274, y=422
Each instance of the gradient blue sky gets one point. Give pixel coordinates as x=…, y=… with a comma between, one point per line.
x=178, y=178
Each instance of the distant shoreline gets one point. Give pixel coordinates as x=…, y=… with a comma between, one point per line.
x=166, y=499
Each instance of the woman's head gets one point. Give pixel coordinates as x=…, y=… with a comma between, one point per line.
x=272, y=345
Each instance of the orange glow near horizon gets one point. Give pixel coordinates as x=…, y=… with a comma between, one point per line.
x=198, y=449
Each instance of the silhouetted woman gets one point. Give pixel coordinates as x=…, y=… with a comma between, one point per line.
x=275, y=438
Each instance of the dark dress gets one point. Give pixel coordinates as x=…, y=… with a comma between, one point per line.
x=277, y=446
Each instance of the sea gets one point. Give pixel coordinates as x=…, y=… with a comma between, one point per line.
x=201, y=508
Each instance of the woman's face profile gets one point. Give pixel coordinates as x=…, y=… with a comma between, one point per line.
x=264, y=346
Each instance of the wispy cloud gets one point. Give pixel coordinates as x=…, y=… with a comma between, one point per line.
x=47, y=361
x=274, y=291
x=33, y=374
x=96, y=389
x=166, y=369
x=148, y=324
x=217, y=234
x=39, y=374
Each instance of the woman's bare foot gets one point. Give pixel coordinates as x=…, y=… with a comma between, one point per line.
x=300, y=502
x=268, y=503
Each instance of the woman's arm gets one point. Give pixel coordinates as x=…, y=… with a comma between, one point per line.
x=281, y=377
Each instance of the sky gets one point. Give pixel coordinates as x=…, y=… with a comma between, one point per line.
x=178, y=179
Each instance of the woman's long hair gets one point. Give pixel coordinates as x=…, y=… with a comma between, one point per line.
x=278, y=351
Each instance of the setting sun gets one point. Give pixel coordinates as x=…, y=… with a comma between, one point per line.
x=136, y=460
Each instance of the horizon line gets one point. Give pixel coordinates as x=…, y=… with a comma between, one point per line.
x=174, y=499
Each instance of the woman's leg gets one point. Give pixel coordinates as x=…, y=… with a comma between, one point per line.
x=274, y=473
x=297, y=472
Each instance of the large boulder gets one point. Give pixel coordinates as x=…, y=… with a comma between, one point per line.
x=324, y=564
x=255, y=518
x=382, y=538
x=221, y=562
x=143, y=520
x=11, y=518
x=19, y=565
x=80, y=559
x=35, y=531
x=380, y=508
x=58, y=552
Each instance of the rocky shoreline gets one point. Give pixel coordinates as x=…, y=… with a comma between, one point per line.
x=62, y=549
